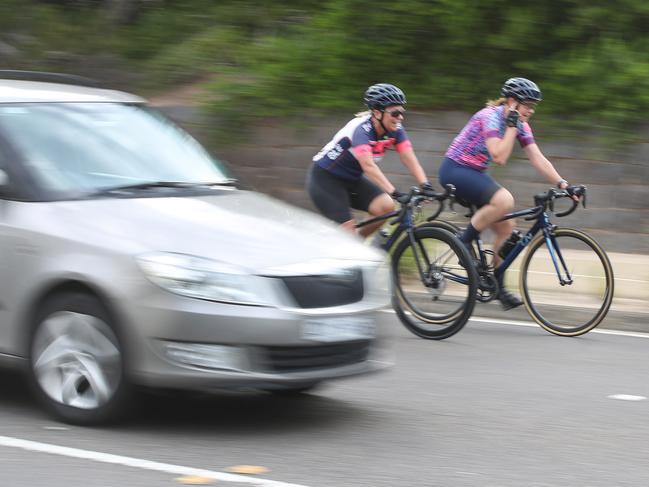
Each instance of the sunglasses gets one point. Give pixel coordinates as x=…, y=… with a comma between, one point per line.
x=529, y=104
x=397, y=113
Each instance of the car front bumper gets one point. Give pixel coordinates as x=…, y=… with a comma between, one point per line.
x=184, y=343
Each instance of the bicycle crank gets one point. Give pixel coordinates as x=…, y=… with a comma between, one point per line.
x=488, y=287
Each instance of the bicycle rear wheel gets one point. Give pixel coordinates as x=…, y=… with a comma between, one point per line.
x=435, y=283
x=580, y=304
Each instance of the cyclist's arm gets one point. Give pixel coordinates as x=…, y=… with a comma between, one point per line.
x=372, y=171
x=500, y=149
x=542, y=164
x=409, y=159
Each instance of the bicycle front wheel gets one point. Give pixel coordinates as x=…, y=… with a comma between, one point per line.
x=434, y=283
x=581, y=302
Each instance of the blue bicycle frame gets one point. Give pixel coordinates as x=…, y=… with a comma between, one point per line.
x=542, y=224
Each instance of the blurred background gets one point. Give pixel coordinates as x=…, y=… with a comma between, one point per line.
x=265, y=84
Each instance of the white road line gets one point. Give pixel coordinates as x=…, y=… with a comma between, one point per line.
x=636, y=334
x=627, y=397
x=137, y=462
x=494, y=321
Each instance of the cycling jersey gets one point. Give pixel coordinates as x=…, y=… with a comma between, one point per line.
x=358, y=137
x=469, y=147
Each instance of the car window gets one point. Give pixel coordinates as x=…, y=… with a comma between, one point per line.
x=72, y=147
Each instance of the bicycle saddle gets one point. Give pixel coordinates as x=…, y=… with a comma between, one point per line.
x=472, y=208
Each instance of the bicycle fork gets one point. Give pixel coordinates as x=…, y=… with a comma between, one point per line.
x=423, y=273
x=557, y=257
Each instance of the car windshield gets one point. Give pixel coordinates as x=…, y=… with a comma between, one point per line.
x=90, y=147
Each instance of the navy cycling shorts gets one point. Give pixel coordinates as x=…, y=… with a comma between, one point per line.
x=334, y=196
x=471, y=185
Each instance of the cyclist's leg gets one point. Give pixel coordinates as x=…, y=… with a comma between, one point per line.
x=498, y=205
x=493, y=202
x=367, y=196
x=501, y=203
x=330, y=195
x=479, y=188
x=502, y=232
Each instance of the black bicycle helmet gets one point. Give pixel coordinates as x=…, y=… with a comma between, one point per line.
x=383, y=95
x=522, y=89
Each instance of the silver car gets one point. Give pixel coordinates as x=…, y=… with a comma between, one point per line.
x=129, y=258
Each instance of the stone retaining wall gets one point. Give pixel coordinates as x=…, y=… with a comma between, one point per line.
x=278, y=156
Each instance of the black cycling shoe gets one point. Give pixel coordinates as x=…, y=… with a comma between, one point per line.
x=508, y=299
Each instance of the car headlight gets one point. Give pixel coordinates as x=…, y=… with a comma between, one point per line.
x=201, y=278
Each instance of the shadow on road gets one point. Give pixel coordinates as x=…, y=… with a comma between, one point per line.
x=16, y=395
x=228, y=412
x=14, y=388
x=241, y=413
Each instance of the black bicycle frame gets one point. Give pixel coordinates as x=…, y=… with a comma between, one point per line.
x=405, y=219
x=406, y=224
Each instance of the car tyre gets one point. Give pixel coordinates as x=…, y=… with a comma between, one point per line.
x=76, y=360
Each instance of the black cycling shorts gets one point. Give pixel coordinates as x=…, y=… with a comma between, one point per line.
x=334, y=196
x=471, y=185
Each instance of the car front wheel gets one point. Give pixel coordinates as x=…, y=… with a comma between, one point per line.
x=76, y=360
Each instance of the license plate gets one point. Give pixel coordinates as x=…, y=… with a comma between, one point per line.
x=339, y=328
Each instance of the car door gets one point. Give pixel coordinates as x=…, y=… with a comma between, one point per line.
x=17, y=193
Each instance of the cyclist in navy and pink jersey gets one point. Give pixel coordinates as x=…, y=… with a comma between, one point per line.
x=345, y=173
x=489, y=137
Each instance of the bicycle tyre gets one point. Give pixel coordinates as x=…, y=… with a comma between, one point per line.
x=457, y=261
x=449, y=227
x=548, y=314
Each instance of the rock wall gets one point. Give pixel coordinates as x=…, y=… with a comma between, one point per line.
x=278, y=155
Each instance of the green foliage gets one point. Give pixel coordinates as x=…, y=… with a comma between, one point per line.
x=591, y=60
x=264, y=57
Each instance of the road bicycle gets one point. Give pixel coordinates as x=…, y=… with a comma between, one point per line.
x=434, y=280
x=565, y=278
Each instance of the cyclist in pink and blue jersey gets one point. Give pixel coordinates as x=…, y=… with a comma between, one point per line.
x=489, y=137
x=345, y=173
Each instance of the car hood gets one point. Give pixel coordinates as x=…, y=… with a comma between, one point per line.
x=244, y=228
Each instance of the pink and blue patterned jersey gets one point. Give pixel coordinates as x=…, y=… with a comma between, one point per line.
x=358, y=137
x=469, y=147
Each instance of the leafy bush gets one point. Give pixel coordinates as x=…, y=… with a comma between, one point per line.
x=265, y=57
x=591, y=61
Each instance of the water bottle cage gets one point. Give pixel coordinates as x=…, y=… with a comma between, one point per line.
x=509, y=244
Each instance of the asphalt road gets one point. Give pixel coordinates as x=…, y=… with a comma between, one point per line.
x=496, y=405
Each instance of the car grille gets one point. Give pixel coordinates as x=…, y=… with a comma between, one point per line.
x=289, y=359
x=326, y=291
